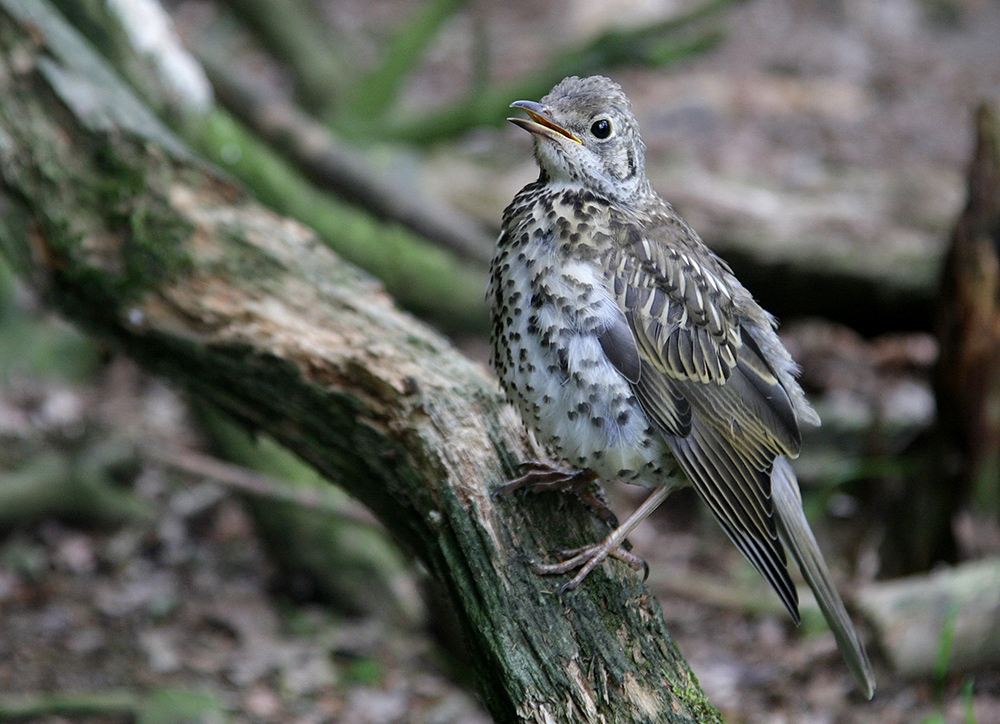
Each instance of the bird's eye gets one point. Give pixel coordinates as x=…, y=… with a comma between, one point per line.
x=601, y=128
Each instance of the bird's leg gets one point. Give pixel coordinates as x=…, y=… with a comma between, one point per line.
x=588, y=558
x=539, y=477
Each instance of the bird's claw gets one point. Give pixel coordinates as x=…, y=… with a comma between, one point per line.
x=584, y=560
x=538, y=477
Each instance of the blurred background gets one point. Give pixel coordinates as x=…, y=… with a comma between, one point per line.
x=842, y=155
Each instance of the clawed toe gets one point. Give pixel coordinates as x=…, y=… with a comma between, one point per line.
x=538, y=477
x=568, y=560
x=584, y=560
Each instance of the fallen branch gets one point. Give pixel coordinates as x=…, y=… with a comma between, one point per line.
x=245, y=480
x=290, y=31
x=340, y=169
x=937, y=624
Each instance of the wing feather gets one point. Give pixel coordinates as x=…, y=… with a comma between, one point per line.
x=757, y=540
x=705, y=382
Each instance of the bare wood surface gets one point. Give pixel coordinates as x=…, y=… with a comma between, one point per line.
x=124, y=232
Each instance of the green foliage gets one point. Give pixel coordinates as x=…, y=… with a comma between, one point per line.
x=374, y=92
x=62, y=705
x=941, y=664
x=658, y=44
x=968, y=701
x=161, y=706
x=362, y=670
x=37, y=344
x=182, y=706
x=941, y=667
x=969, y=712
x=363, y=105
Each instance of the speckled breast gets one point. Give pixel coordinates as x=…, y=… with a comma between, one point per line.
x=550, y=299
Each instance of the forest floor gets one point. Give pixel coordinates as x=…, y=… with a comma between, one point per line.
x=846, y=121
x=182, y=608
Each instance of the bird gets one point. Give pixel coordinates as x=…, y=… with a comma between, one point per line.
x=633, y=353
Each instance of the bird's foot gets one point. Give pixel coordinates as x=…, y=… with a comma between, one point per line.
x=538, y=477
x=586, y=559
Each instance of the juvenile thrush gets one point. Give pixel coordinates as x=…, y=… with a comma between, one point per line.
x=632, y=350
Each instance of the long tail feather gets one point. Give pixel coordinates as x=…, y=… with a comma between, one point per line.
x=798, y=538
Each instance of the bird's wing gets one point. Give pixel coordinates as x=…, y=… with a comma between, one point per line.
x=683, y=313
x=688, y=330
x=705, y=382
x=655, y=390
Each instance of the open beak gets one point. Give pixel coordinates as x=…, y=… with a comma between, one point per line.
x=540, y=124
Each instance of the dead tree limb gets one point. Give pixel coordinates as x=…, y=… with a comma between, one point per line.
x=336, y=167
x=134, y=239
x=968, y=326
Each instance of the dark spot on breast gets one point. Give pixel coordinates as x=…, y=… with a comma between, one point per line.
x=563, y=359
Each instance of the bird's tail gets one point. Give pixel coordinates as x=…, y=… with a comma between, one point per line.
x=798, y=538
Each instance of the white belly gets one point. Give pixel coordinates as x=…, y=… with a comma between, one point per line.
x=557, y=375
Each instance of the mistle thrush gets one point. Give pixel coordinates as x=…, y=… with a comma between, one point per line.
x=632, y=350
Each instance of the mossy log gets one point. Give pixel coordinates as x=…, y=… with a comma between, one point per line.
x=125, y=232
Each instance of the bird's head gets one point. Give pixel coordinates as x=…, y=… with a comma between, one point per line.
x=585, y=133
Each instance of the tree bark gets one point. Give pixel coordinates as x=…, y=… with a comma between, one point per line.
x=125, y=232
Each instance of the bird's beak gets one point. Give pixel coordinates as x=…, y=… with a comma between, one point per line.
x=540, y=124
